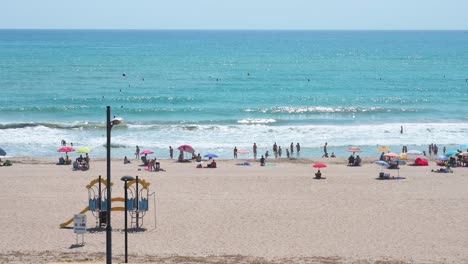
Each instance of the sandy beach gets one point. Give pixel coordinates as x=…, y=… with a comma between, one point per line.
x=243, y=214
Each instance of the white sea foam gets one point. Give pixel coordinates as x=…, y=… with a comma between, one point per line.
x=256, y=121
x=44, y=141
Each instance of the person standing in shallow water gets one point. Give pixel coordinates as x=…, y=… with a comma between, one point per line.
x=171, y=152
x=137, y=152
x=292, y=148
x=235, y=152
x=255, y=151
x=298, y=149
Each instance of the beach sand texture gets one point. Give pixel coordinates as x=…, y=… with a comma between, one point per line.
x=240, y=214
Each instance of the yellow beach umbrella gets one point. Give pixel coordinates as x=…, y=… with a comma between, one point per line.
x=84, y=150
x=383, y=149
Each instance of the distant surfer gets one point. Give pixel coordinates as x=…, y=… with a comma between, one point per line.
x=401, y=130
x=124, y=75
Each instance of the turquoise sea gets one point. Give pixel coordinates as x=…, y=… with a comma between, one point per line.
x=218, y=89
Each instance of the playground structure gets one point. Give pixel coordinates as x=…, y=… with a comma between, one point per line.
x=137, y=202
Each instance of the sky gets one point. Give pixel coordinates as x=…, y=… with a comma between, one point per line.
x=235, y=14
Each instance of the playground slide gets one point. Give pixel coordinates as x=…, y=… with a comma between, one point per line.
x=114, y=209
x=71, y=219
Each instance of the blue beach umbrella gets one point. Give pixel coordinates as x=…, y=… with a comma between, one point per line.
x=2, y=152
x=382, y=164
x=451, y=153
x=442, y=158
x=210, y=155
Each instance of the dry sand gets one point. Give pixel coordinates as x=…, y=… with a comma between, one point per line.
x=239, y=214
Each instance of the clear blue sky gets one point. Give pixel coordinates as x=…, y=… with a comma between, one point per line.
x=234, y=14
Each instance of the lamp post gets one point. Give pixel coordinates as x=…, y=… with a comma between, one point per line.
x=126, y=179
x=110, y=123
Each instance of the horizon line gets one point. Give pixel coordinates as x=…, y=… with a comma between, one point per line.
x=227, y=29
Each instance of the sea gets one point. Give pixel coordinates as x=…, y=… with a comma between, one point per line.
x=216, y=90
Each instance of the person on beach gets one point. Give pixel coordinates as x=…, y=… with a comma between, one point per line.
x=318, y=175
x=287, y=153
x=325, y=153
x=351, y=160
x=401, y=130
x=444, y=150
x=333, y=155
x=279, y=151
x=64, y=143
x=292, y=148
x=235, y=152
x=262, y=161
x=126, y=161
x=266, y=154
x=171, y=152
x=275, y=150
x=298, y=149
x=137, y=152
x=382, y=157
x=255, y=151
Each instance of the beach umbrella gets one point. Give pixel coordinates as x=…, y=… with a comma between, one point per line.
x=442, y=158
x=66, y=149
x=2, y=152
x=210, y=155
x=382, y=164
x=451, y=153
x=414, y=152
x=186, y=148
x=391, y=155
x=383, y=149
x=464, y=153
x=400, y=162
x=243, y=152
x=146, y=152
x=320, y=165
x=354, y=149
x=84, y=150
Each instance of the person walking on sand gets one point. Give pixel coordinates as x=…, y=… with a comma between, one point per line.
x=235, y=152
x=171, y=152
x=255, y=150
x=137, y=152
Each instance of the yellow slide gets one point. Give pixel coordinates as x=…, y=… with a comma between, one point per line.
x=71, y=219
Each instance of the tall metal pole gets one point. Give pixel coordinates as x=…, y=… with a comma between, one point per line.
x=108, y=213
x=126, y=212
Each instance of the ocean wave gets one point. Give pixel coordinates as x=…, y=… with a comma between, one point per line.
x=326, y=109
x=256, y=121
x=56, y=125
x=221, y=138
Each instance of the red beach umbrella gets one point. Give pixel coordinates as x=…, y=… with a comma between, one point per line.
x=186, y=148
x=146, y=152
x=66, y=149
x=320, y=165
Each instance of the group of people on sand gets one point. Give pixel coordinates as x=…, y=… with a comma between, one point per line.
x=354, y=161
x=277, y=151
x=81, y=163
